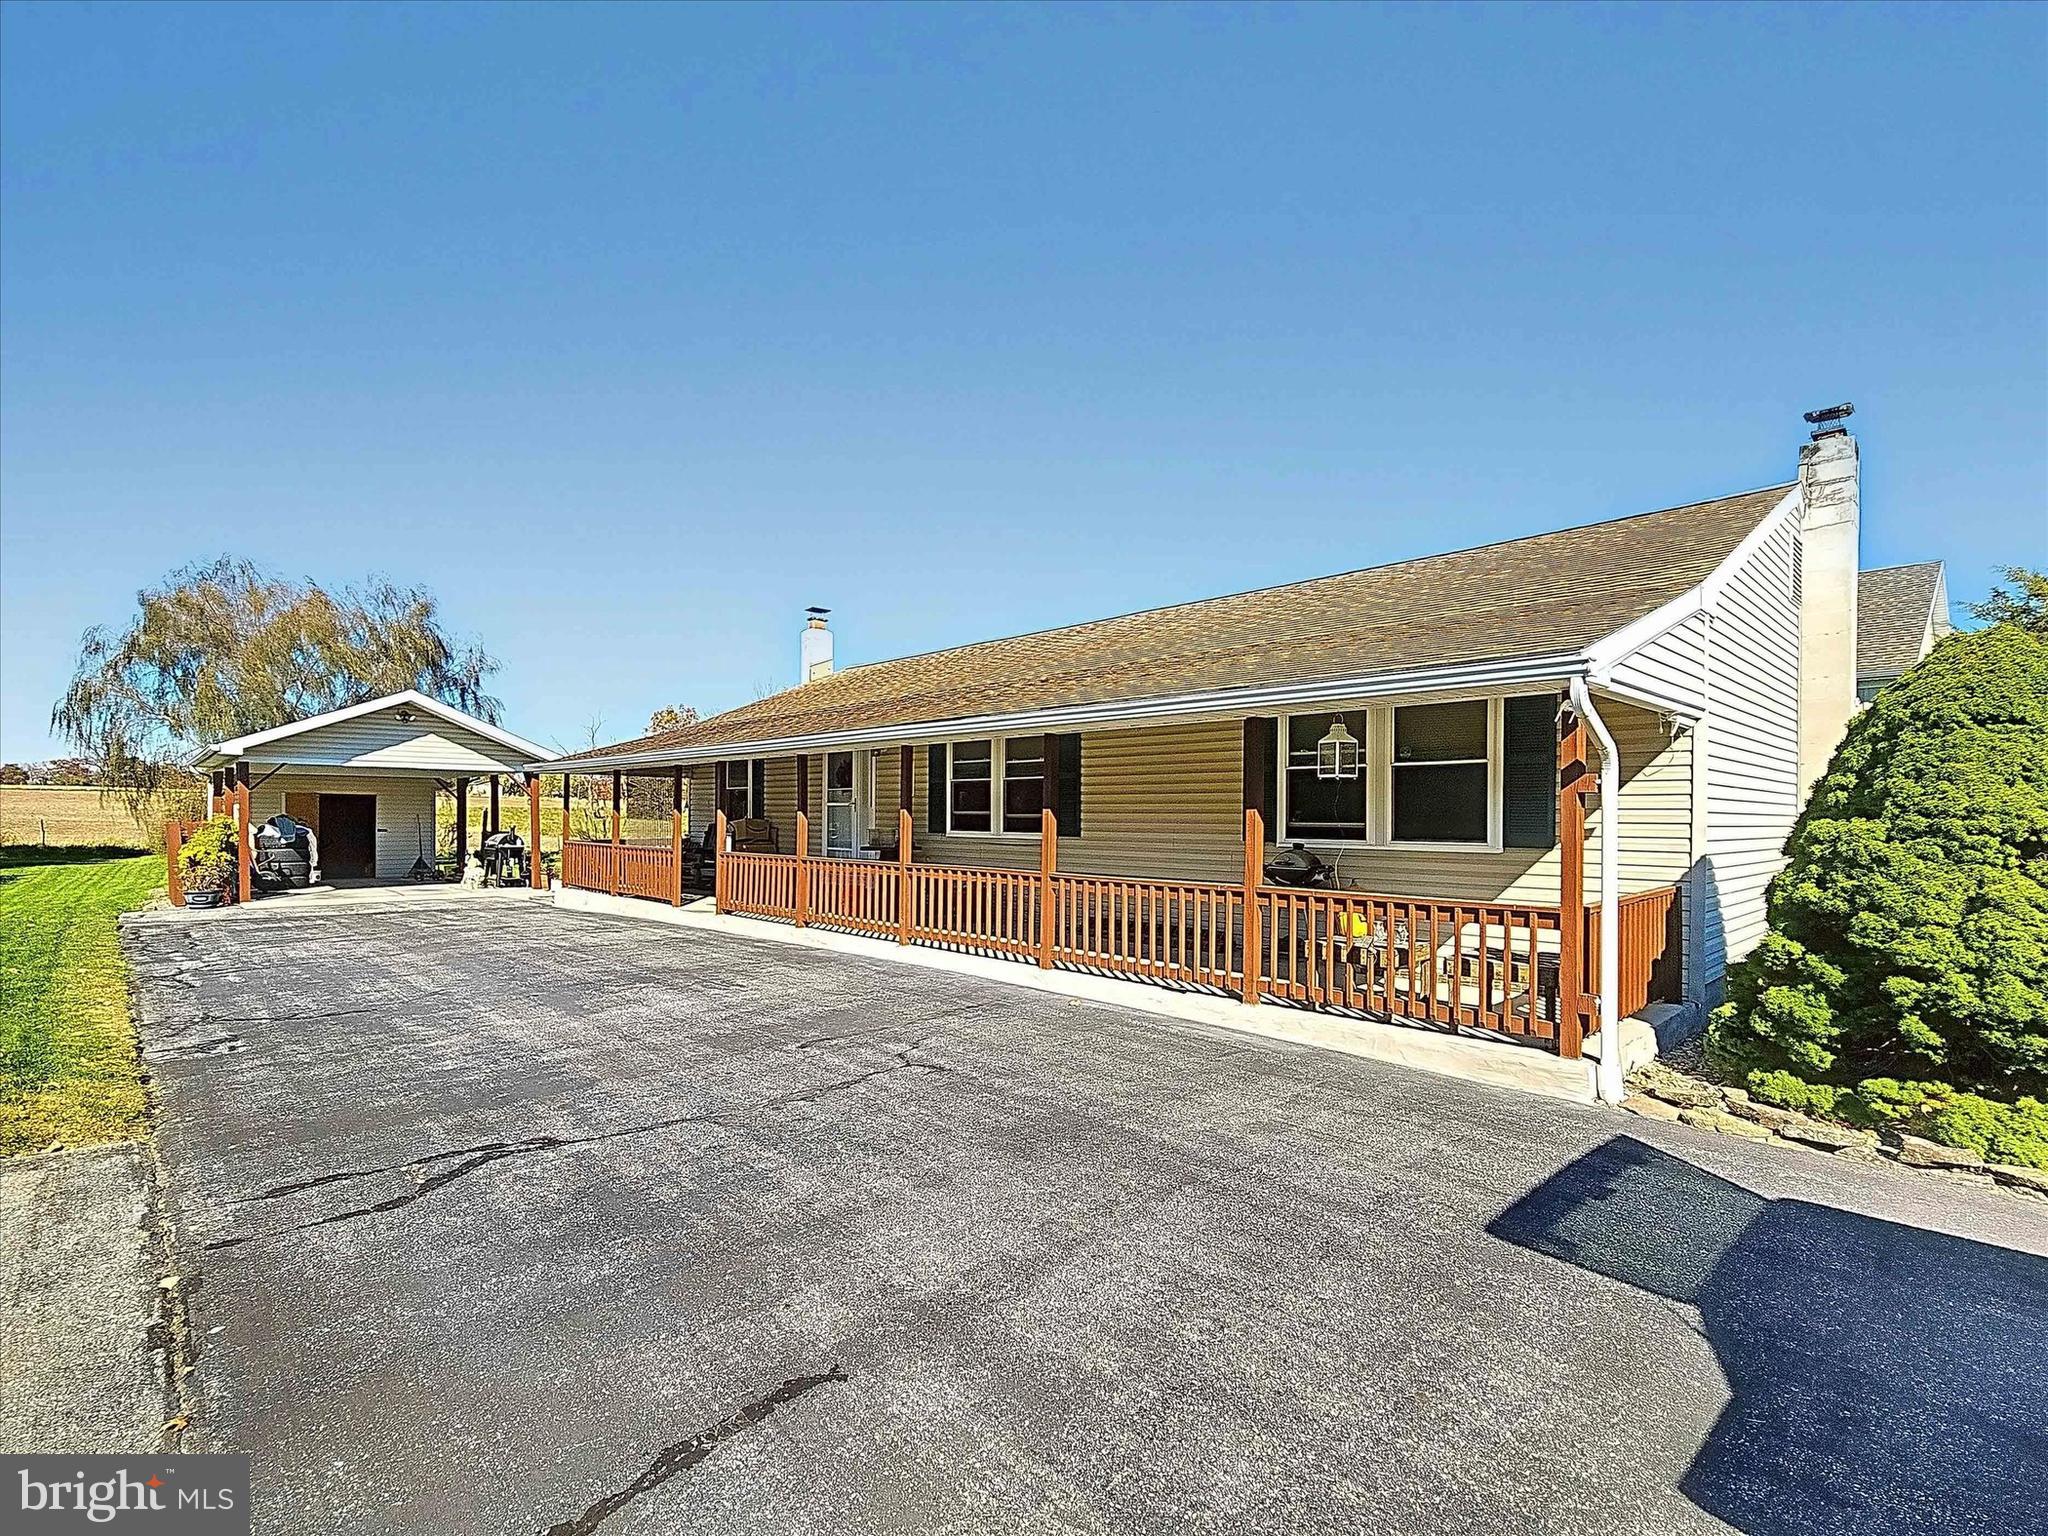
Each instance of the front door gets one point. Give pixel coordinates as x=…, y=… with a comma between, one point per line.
x=842, y=808
x=348, y=837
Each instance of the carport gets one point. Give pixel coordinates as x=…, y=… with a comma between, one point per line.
x=363, y=778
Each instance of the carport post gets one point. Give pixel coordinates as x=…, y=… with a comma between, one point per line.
x=461, y=827
x=496, y=824
x=534, y=876
x=1048, y=860
x=565, y=819
x=617, y=780
x=903, y=894
x=243, y=830
x=803, y=868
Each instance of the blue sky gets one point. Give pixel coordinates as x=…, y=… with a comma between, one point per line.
x=631, y=331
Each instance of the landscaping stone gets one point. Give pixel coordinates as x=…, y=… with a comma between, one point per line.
x=1650, y=1108
x=2010, y=1174
x=1919, y=1152
x=1721, y=1120
x=1829, y=1138
x=1767, y=1115
x=1685, y=1092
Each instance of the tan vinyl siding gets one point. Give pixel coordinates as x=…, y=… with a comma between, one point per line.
x=1752, y=755
x=1673, y=666
x=382, y=740
x=405, y=810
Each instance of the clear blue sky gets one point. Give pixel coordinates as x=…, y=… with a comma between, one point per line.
x=631, y=331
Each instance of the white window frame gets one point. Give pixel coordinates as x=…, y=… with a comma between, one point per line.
x=746, y=787
x=998, y=762
x=1379, y=767
x=1283, y=752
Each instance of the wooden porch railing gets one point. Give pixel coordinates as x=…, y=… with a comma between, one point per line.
x=1491, y=966
x=622, y=869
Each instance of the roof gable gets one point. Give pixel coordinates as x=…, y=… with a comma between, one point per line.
x=371, y=734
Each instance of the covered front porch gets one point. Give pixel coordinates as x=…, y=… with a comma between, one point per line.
x=1459, y=842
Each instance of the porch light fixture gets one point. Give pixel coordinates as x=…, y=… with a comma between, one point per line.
x=406, y=717
x=1338, y=754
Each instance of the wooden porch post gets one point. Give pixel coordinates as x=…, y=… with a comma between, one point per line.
x=1254, y=874
x=903, y=894
x=174, y=840
x=535, y=876
x=1574, y=781
x=461, y=826
x=803, y=867
x=565, y=820
x=243, y=830
x=617, y=780
x=1048, y=860
x=718, y=864
x=675, y=840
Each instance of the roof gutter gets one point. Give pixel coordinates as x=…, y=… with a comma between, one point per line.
x=1526, y=672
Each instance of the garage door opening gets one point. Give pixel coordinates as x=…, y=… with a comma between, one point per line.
x=348, y=837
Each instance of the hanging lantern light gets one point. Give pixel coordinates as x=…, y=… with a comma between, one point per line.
x=1338, y=754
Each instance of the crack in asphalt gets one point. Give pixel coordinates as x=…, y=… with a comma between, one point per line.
x=685, y=1454
x=468, y=1160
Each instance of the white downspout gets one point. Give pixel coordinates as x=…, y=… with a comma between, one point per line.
x=1608, y=1081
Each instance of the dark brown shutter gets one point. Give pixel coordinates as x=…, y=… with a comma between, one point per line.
x=1261, y=752
x=1529, y=771
x=759, y=799
x=935, y=790
x=717, y=787
x=1064, y=768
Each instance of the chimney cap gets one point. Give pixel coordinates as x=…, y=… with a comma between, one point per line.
x=1831, y=421
x=816, y=612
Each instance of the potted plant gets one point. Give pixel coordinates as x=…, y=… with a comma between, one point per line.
x=210, y=861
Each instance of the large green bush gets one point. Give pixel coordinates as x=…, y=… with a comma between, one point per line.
x=211, y=857
x=1909, y=927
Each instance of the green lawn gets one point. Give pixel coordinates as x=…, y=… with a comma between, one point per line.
x=68, y=1069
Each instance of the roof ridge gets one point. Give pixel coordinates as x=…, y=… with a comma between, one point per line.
x=1300, y=581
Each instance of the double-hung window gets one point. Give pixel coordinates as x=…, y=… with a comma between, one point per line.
x=1320, y=809
x=738, y=801
x=996, y=786
x=1023, y=783
x=1441, y=776
x=970, y=786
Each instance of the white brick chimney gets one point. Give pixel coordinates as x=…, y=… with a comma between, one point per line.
x=1831, y=500
x=816, y=660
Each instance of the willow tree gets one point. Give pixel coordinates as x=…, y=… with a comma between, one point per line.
x=221, y=649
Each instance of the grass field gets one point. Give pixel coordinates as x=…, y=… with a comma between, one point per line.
x=585, y=820
x=68, y=1070
x=41, y=814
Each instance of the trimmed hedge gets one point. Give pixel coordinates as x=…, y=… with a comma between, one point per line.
x=1905, y=977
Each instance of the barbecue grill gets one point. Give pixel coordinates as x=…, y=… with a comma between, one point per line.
x=503, y=857
x=1295, y=865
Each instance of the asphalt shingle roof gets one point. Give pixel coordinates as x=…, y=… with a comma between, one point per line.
x=1892, y=608
x=1549, y=594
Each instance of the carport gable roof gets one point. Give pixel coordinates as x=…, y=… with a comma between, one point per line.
x=274, y=745
x=1528, y=611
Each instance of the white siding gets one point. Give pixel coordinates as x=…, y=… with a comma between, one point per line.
x=405, y=810
x=382, y=740
x=1673, y=666
x=1751, y=769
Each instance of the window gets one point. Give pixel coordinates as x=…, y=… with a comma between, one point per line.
x=971, y=786
x=1023, y=783
x=1319, y=808
x=1441, y=772
x=1000, y=787
x=738, y=801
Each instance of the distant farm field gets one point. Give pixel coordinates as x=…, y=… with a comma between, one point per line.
x=41, y=815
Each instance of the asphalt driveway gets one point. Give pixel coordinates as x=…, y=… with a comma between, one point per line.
x=512, y=1220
